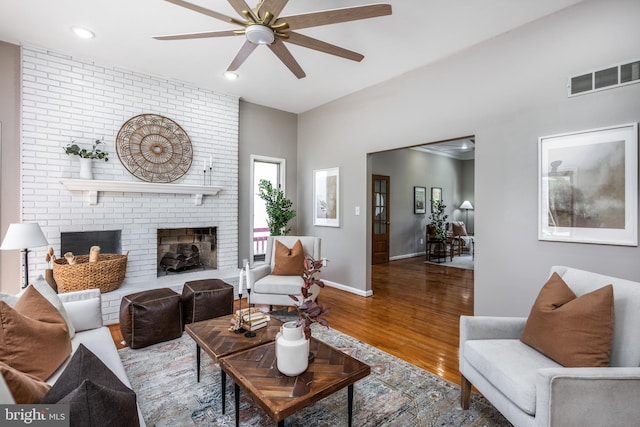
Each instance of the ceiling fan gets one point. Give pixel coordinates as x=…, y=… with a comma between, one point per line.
x=263, y=25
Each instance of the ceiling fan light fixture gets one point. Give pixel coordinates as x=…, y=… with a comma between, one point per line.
x=259, y=34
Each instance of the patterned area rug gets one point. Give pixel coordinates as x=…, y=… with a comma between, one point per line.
x=395, y=394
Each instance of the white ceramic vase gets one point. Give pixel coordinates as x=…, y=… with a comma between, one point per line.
x=292, y=350
x=86, y=170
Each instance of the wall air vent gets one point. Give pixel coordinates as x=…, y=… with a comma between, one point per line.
x=607, y=78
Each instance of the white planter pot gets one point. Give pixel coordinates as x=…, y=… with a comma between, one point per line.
x=292, y=350
x=86, y=168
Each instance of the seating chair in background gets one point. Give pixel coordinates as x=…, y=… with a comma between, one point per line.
x=460, y=239
x=274, y=289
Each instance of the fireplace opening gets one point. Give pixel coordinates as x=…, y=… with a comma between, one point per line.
x=185, y=249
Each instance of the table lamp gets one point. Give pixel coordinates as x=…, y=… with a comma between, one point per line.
x=24, y=236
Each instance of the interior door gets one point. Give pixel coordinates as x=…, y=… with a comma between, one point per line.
x=380, y=219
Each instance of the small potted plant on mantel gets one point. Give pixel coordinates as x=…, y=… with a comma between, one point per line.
x=86, y=156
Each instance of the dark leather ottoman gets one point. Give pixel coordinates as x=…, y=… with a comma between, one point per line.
x=150, y=317
x=206, y=299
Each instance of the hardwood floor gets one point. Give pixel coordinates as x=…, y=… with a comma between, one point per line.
x=413, y=314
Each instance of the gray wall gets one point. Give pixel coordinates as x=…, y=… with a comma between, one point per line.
x=408, y=168
x=507, y=92
x=10, y=261
x=267, y=132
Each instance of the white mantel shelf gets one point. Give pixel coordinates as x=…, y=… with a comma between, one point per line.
x=93, y=186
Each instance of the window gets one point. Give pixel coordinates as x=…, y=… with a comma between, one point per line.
x=272, y=169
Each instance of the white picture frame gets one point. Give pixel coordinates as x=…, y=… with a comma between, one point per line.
x=326, y=197
x=588, y=186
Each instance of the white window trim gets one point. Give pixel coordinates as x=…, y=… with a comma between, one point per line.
x=282, y=178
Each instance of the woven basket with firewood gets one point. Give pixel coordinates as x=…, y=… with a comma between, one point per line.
x=76, y=273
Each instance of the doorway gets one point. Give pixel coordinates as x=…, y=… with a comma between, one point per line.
x=444, y=167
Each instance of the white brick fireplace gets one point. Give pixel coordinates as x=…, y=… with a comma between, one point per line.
x=66, y=99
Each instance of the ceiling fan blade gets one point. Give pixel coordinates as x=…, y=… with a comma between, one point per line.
x=242, y=55
x=273, y=6
x=287, y=59
x=319, y=45
x=200, y=35
x=334, y=16
x=242, y=7
x=202, y=10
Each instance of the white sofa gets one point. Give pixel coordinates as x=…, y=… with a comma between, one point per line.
x=84, y=310
x=530, y=389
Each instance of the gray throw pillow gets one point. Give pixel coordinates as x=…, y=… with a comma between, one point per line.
x=95, y=405
x=96, y=395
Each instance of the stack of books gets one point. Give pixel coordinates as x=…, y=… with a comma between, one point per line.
x=252, y=319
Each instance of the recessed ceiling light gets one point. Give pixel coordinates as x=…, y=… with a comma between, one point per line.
x=83, y=32
x=231, y=75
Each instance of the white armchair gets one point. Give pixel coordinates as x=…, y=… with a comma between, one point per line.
x=530, y=389
x=270, y=289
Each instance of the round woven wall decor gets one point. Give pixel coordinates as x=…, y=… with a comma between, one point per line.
x=154, y=148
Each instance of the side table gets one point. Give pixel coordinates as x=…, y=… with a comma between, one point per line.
x=437, y=250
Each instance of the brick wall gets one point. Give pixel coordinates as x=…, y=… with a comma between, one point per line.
x=66, y=99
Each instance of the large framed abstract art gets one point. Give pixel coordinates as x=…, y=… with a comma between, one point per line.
x=588, y=186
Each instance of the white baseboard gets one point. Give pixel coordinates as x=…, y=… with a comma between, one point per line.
x=397, y=257
x=348, y=288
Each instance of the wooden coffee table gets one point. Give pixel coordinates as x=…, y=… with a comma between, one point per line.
x=218, y=341
x=255, y=372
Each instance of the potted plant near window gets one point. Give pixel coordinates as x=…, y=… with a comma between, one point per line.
x=279, y=208
x=86, y=157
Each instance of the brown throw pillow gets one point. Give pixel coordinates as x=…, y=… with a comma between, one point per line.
x=289, y=262
x=573, y=331
x=458, y=228
x=34, y=337
x=25, y=388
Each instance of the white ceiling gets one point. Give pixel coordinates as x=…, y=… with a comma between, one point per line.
x=418, y=32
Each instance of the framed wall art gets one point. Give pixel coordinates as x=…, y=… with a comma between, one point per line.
x=588, y=186
x=326, y=197
x=436, y=196
x=419, y=200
